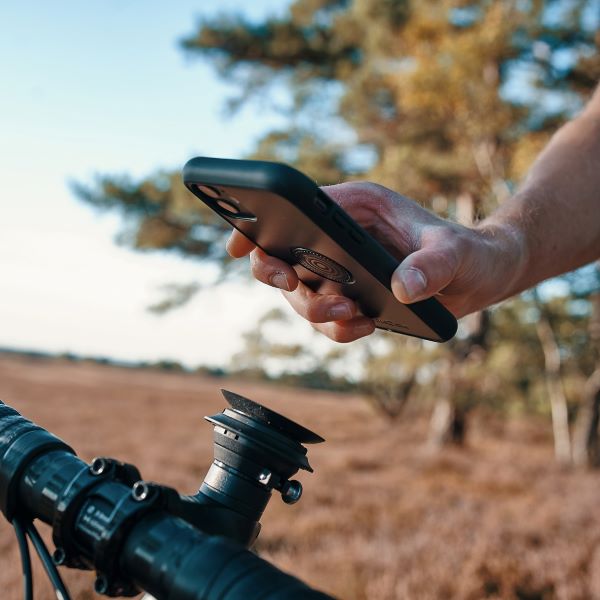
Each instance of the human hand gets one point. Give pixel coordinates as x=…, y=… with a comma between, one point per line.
x=465, y=268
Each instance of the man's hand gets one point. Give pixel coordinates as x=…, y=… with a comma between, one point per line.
x=550, y=226
x=467, y=269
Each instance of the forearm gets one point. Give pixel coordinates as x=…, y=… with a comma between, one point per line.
x=555, y=215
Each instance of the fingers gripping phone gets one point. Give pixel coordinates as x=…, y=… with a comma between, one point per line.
x=287, y=215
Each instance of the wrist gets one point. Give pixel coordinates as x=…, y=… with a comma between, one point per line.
x=507, y=247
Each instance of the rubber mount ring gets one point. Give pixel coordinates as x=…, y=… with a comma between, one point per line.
x=271, y=418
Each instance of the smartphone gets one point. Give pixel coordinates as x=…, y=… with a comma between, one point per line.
x=285, y=213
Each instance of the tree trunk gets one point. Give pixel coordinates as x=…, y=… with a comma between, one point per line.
x=449, y=420
x=390, y=400
x=586, y=443
x=586, y=447
x=444, y=426
x=448, y=424
x=558, y=401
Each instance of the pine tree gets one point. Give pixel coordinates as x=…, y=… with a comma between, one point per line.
x=446, y=101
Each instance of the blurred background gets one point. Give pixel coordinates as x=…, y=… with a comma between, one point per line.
x=463, y=470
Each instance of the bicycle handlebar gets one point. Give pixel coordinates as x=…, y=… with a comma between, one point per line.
x=104, y=518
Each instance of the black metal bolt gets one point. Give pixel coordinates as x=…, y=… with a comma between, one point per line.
x=101, y=584
x=264, y=477
x=59, y=556
x=140, y=491
x=98, y=466
x=291, y=491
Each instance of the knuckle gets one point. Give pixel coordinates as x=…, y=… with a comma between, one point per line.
x=448, y=260
x=446, y=244
x=313, y=312
x=339, y=334
x=321, y=328
x=254, y=263
x=257, y=267
x=335, y=335
x=324, y=329
x=368, y=188
x=354, y=192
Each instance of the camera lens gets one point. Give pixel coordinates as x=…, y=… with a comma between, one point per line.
x=207, y=190
x=233, y=209
x=228, y=205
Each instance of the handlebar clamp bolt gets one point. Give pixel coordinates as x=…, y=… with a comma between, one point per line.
x=140, y=491
x=59, y=556
x=264, y=477
x=291, y=491
x=98, y=466
x=101, y=584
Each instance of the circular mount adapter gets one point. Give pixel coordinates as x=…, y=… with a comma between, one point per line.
x=322, y=265
x=269, y=417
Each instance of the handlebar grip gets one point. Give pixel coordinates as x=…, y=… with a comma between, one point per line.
x=160, y=553
x=174, y=561
x=20, y=442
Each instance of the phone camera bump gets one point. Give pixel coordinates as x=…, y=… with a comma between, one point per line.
x=208, y=191
x=228, y=205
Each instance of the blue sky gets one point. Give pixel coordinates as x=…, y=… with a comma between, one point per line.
x=101, y=86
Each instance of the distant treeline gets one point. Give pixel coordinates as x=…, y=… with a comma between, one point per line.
x=317, y=379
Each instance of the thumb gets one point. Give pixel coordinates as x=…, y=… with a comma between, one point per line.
x=423, y=274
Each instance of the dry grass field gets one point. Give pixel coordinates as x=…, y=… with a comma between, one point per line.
x=381, y=518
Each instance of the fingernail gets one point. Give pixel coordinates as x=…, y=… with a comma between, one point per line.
x=339, y=312
x=227, y=244
x=279, y=280
x=414, y=282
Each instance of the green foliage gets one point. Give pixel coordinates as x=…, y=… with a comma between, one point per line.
x=160, y=214
x=413, y=95
x=435, y=99
x=176, y=295
x=419, y=83
x=168, y=365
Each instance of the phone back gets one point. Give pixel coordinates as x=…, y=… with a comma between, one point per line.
x=283, y=212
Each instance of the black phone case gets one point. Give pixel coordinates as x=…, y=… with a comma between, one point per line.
x=287, y=215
